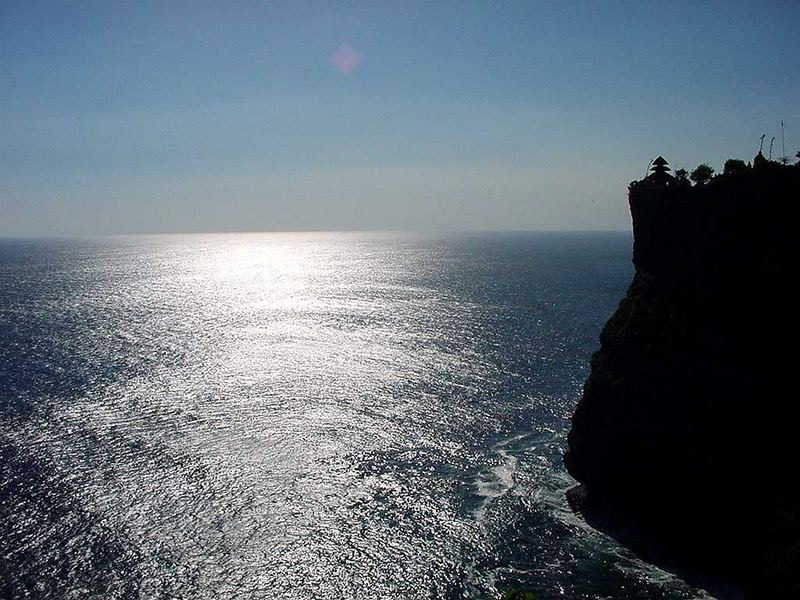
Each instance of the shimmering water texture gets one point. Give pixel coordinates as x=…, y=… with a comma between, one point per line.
x=302, y=415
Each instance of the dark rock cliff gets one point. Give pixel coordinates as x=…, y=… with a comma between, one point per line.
x=685, y=440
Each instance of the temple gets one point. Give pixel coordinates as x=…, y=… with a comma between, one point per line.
x=660, y=172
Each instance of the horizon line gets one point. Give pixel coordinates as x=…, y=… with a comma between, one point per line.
x=63, y=236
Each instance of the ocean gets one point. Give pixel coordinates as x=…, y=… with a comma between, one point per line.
x=302, y=415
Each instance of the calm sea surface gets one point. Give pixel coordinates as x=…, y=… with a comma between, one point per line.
x=302, y=415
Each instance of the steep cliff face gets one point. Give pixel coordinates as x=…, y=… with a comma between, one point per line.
x=685, y=438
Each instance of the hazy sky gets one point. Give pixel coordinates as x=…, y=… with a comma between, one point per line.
x=226, y=116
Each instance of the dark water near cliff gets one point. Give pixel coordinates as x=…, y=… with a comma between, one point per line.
x=342, y=415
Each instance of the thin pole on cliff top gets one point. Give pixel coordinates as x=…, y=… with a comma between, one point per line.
x=783, y=146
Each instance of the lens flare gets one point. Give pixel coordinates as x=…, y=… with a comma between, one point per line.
x=345, y=59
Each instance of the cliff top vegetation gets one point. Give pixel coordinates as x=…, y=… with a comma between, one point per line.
x=703, y=174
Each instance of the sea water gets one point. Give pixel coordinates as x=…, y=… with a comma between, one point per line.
x=315, y=415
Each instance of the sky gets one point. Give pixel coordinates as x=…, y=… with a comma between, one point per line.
x=161, y=117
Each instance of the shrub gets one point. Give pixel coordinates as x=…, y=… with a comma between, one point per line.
x=734, y=166
x=702, y=174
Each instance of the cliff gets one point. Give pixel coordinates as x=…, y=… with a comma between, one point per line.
x=684, y=440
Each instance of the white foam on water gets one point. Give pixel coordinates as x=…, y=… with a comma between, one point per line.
x=490, y=484
x=497, y=481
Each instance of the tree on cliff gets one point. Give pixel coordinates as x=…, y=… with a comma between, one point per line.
x=682, y=178
x=734, y=166
x=702, y=174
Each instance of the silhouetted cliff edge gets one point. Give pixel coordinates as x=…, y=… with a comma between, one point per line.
x=685, y=440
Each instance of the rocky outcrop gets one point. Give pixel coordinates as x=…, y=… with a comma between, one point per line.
x=685, y=441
